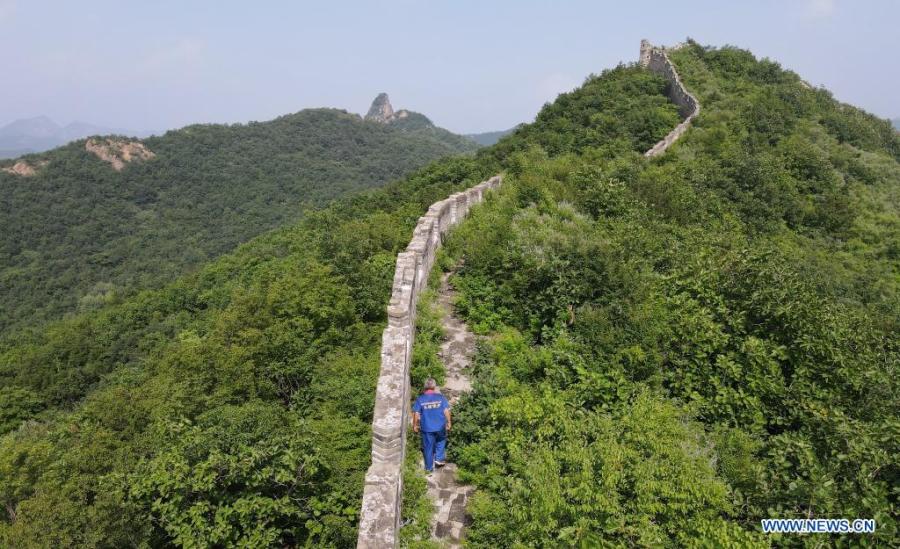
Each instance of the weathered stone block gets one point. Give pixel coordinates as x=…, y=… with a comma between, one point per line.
x=401, y=307
x=435, y=242
x=454, y=214
x=474, y=194
x=444, y=217
x=462, y=205
x=379, y=520
x=390, y=415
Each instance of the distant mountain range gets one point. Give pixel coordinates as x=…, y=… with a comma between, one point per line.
x=38, y=134
x=487, y=139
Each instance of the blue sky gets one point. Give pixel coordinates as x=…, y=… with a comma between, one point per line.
x=469, y=65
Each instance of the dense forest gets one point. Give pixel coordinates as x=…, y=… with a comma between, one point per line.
x=77, y=234
x=681, y=347
x=673, y=348
x=231, y=407
x=234, y=405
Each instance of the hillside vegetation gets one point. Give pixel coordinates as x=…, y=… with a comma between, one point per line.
x=77, y=233
x=679, y=348
x=231, y=407
x=234, y=406
x=675, y=348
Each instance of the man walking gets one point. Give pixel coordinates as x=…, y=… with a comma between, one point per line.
x=431, y=415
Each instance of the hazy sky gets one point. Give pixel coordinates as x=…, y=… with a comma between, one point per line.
x=469, y=65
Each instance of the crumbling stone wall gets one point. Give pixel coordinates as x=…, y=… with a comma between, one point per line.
x=379, y=521
x=655, y=59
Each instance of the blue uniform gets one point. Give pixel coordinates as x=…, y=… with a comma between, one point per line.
x=430, y=406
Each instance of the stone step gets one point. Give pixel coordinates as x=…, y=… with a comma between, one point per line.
x=448, y=494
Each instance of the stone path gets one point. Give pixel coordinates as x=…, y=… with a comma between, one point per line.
x=449, y=496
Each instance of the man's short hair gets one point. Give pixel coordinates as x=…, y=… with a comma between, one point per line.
x=430, y=384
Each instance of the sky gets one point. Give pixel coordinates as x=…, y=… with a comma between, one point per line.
x=470, y=66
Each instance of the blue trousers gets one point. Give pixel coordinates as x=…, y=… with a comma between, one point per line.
x=434, y=446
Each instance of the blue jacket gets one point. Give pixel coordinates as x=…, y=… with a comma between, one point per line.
x=430, y=406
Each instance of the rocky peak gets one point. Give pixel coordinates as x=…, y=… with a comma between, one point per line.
x=381, y=109
x=383, y=112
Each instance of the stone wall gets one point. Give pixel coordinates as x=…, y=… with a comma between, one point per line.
x=379, y=521
x=655, y=59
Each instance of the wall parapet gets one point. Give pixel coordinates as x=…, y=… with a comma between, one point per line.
x=655, y=59
x=379, y=521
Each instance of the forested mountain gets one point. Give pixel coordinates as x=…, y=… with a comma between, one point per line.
x=681, y=347
x=234, y=406
x=674, y=348
x=74, y=230
x=230, y=407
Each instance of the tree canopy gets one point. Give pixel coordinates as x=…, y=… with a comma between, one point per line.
x=674, y=348
x=678, y=348
x=78, y=233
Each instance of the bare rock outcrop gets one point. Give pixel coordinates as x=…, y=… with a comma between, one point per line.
x=24, y=169
x=382, y=111
x=118, y=152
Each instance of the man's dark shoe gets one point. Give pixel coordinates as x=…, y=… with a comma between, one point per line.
x=440, y=463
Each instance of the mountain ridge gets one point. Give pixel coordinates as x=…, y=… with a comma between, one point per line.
x=684, y=328
x=199, y=191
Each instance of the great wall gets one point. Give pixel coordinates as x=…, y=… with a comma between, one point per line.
x=380, y=515
x=656, y=60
